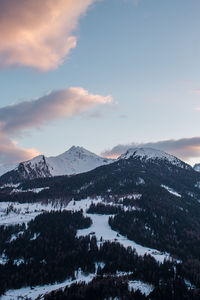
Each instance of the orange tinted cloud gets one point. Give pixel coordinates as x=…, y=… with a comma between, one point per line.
x=10, y=153
x=37, y=33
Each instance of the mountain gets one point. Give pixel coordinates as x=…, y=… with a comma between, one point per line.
x=137, y=170
x=136, y=219
x=154, y=155
x=74, y=161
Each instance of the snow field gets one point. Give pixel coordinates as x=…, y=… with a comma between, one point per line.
x=13, y=213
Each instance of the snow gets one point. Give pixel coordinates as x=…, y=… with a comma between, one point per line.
x=36, y=235
x=99, y=264
x=171, y=191
x=15, y=236
x=140, y=181
x=12, y=213
x=18, y=261
x=40, y=291
x=9, y=185
x=189, y=284
x=101, y=228
x=197, y=185
x=36, y=190
x=25, y=212
x=33, y=293
x=153, y=154
x=134, y=196
x=197, y=167
x=74, y=161
x=3, y=259
x=144, y=288
x=83, y=204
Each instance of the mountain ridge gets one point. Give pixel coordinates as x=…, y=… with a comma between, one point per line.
x=76, y=160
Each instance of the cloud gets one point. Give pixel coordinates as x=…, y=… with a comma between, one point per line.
x=10, y=153
x=185, y=148
x=37, y=33
x=55, y=105
x=18, y=118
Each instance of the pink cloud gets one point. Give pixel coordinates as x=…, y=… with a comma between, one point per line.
x=11, y=153
x=58, y=104
x=18, y=118
x=38, y=33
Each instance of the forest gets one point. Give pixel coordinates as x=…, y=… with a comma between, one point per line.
x=50, y=252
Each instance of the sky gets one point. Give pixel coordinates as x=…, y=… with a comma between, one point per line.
x=106, y=75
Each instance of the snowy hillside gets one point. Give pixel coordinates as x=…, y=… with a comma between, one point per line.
x=74, y=161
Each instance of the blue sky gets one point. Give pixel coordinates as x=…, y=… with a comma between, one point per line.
x=145, y=55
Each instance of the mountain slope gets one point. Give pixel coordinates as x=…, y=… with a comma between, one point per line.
x=74, y=161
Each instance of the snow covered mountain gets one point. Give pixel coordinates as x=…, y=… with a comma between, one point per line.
x=139, y=171
x=74, y=161
x=153, y=155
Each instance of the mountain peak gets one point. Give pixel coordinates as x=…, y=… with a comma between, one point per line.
x=75, y=148
x=150, y=154
x=77, y=152
x=147, y=153
x=76, y=160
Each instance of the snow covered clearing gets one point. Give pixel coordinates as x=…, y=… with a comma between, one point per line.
x=83, y=204
x=144, y=288
x=13, y=213
x=171, y=191
x=35, y=292
x=101, y=229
